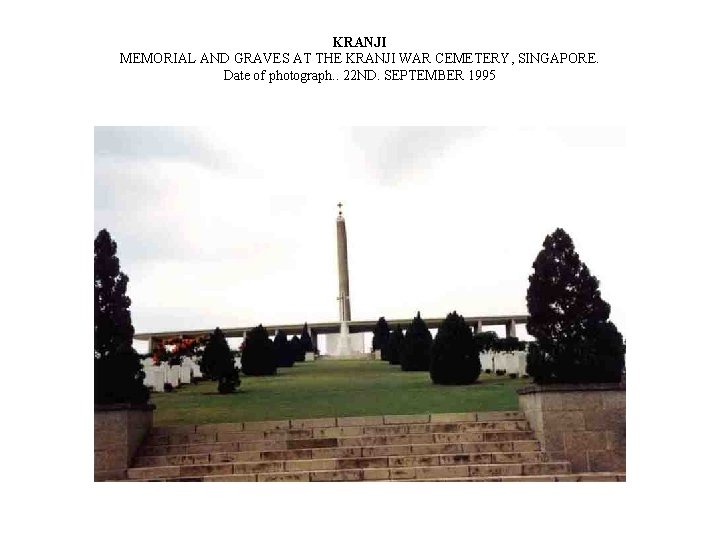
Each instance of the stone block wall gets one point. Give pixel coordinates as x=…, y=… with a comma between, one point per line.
x=584, y=424
x=119, y=431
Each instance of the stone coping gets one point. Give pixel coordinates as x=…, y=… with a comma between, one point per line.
x=565, y=387
x=106, y=407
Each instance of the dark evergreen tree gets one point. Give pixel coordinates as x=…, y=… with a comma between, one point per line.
x=454, y=354
x=296, y=349
x=575, y=341
x=118, y=371
x=394, y=347
x=416, y=351
x=381, y=335
x=306, y=340
x=258, y=357
x=218, y=363
x=283, y=353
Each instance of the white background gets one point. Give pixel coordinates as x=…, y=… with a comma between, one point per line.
x=656, y=78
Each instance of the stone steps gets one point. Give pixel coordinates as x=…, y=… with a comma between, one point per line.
x=508, y=447
x=272, y=425
x=160, y=437
x=293, y=465
x=226, y=473
x=265, y=445
x=464, y=446
x=570, y=477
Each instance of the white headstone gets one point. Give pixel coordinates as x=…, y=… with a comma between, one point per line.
x=500, y=361
x=172, y=376
x=185, y=374
x=155, y=378
x=309, y=356
x=196, y=370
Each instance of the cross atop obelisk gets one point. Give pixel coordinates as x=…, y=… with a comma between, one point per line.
x=343, y=277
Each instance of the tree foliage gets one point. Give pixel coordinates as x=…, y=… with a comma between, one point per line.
x=218, y=363
x=416, y=350
x=258, y=357
x=485, y=341
x=454, y=354
x=394, y=347
x=575, y=341
x=118, y=371
x=381, y=335
x=283, y=353
x=296, y=349
x=306, y=340
x=508, y=344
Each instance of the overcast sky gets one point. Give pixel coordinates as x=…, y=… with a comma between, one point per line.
x=235, y=226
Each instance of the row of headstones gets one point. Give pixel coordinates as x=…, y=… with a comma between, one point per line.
x=510, y=362
x=157, y=376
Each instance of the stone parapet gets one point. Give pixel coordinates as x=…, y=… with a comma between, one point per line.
x=581, y=423
x=119, y=431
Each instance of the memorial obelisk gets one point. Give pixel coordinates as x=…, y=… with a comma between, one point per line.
x=344, y=285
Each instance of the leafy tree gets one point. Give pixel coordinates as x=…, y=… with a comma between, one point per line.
x=306, y=340
x=394, y=347
x=258, y=356
x=283, y=353
x=218, y=363
x=454, y=354
x=485, y=341
x=508, y=344
x=296, y=349
x=381, y=335
x=575, y=341
x=118, y=371
x=417, y=346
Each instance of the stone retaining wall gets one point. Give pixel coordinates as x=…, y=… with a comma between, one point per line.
x=584, y=424
x=119, y=431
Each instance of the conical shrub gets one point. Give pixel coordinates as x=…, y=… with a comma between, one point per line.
x=454, y=355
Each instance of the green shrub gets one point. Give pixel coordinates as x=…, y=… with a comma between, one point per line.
x=454, y=354
x=218, y=363
x=394, y=347
x=306, y=340
x=296, y=350
x=416, y=349
x=381, y=335
x=258, y=357
x=283, y=354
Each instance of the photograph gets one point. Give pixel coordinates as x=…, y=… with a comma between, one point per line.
x=471, y=346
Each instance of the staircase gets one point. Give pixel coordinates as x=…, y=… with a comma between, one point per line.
x=483, y=446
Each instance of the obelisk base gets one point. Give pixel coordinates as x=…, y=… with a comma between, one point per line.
x=345, y=344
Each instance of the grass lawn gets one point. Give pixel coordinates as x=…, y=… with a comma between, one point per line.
x=333, y=388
